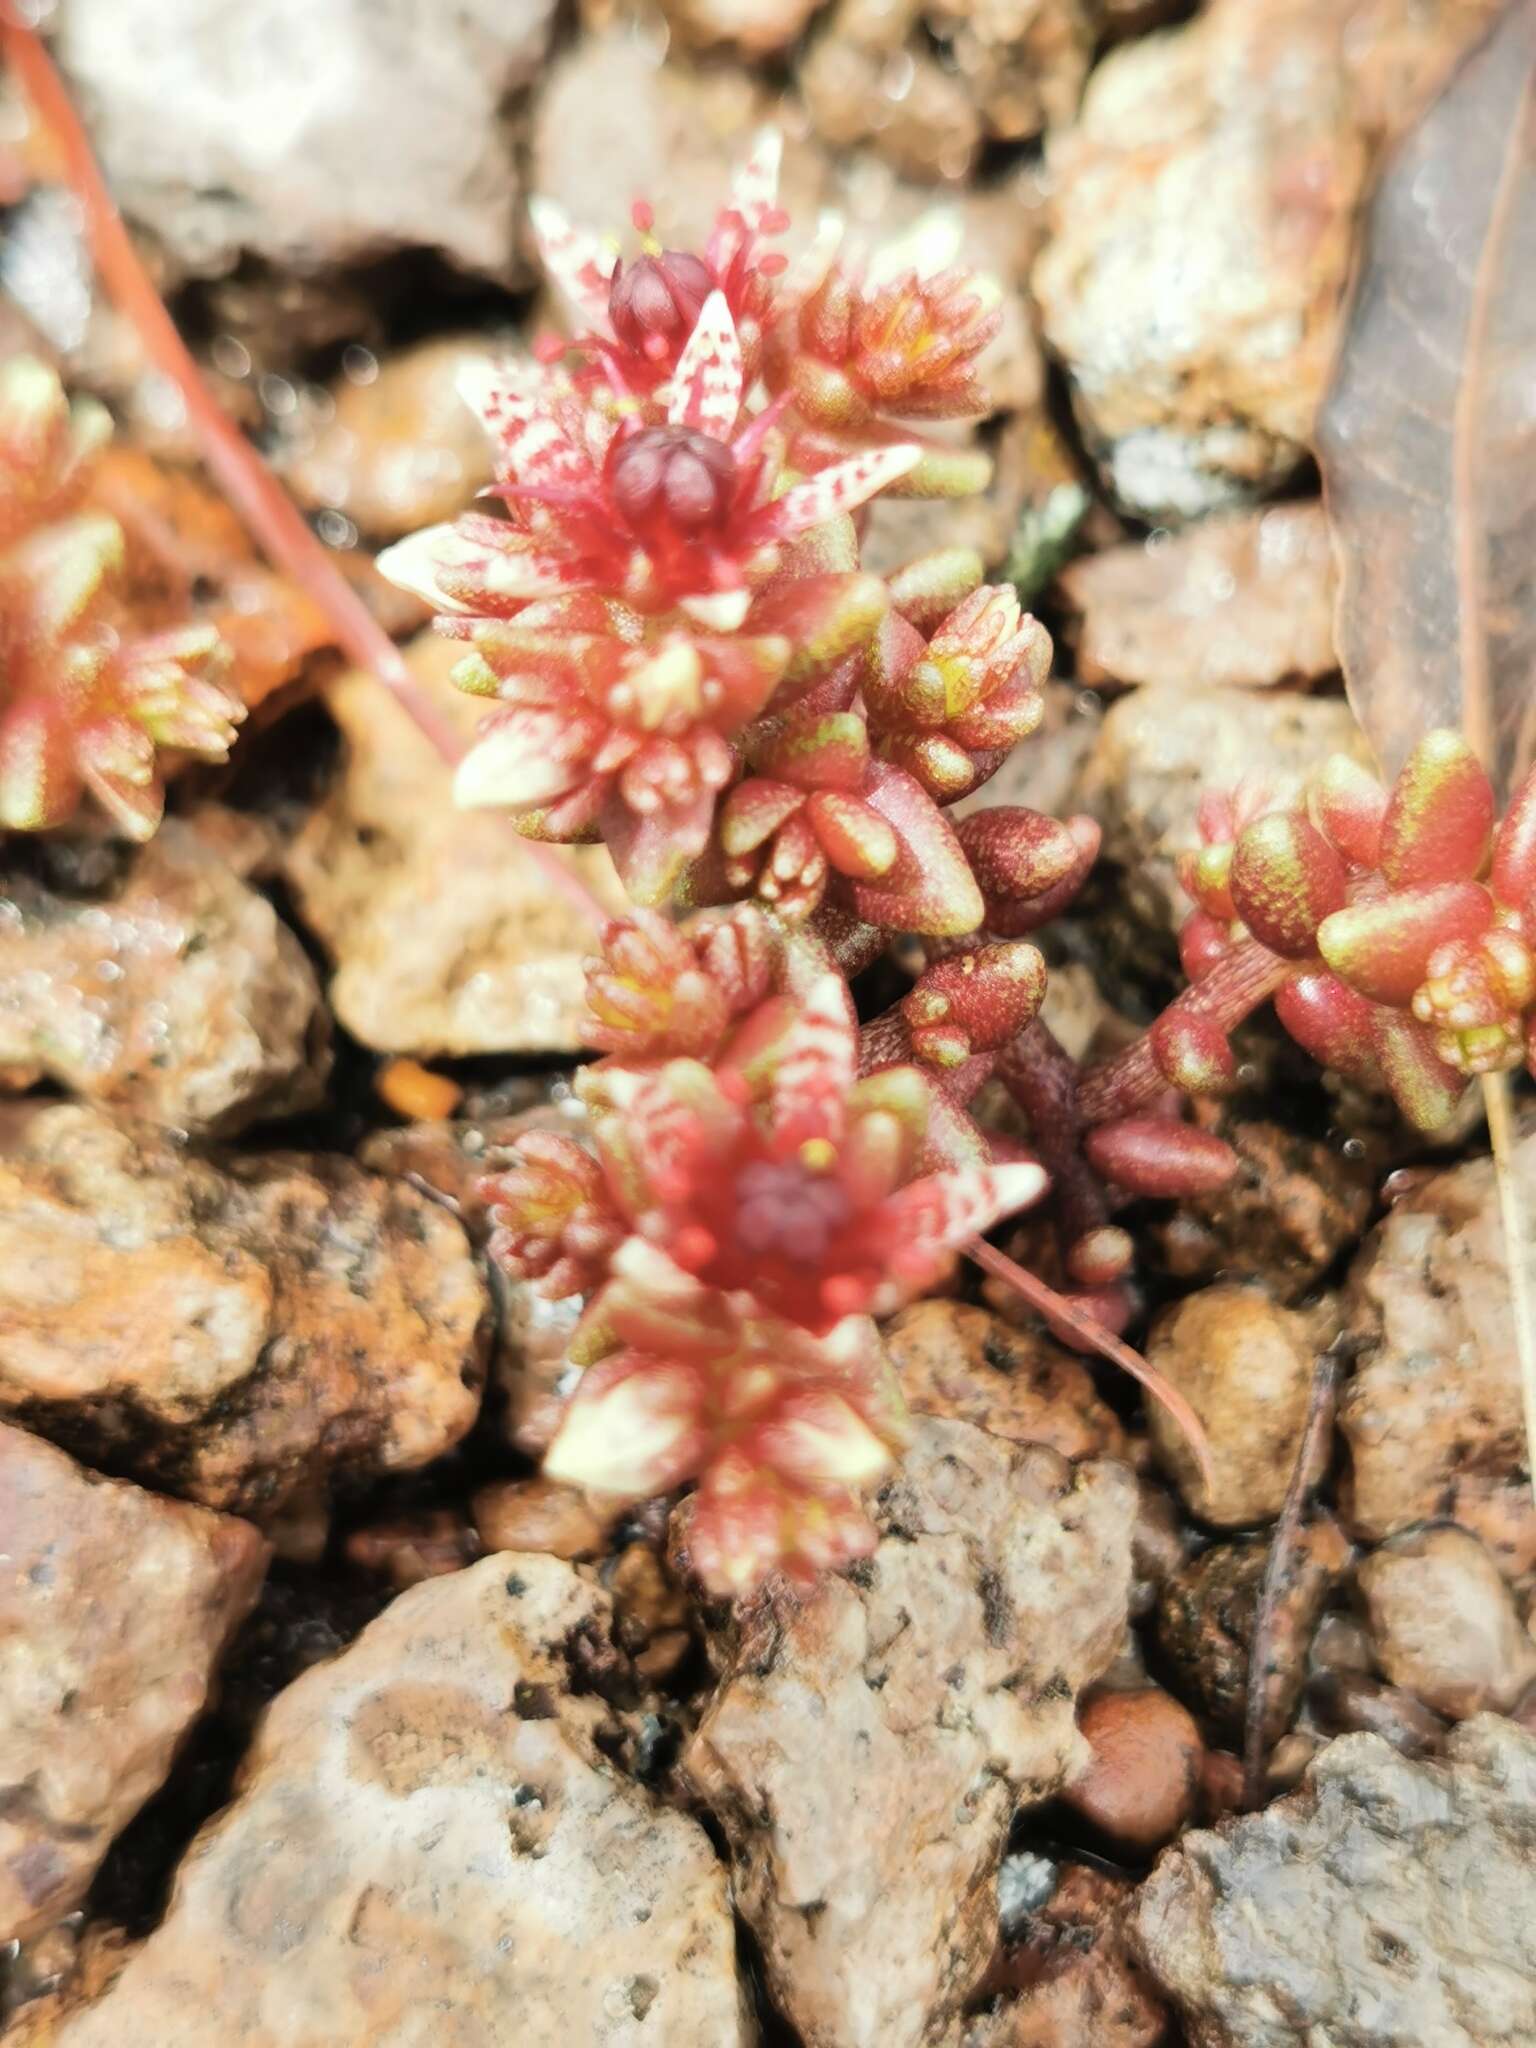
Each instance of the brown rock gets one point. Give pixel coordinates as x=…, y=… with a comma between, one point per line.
x=1385, y=1904
x=429, y=1846
x=1144, y=1771
x=1160, y=750
x=1245, y=601
x=401, y=449
x=232, y=1332
x=447, y=936
x=1072, y=1982
x=1292, y=1208
x=868, y=1740
x=1353, y=1703
x=161, y=984
x=538, y=1514
x=97, y=1957
x=961, y=1363
x=1246, y=1366
x=1443, y=1623
x=1432, y=1411
x=406, y=1549
x=114, y=1609
x=1205, y=1624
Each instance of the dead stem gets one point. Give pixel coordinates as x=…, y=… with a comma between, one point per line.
x=271, y=516
x=1325, y=1380
x=1085, y=1330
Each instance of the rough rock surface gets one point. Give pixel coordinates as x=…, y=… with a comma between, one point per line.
x=1246, y=600
x=308, y=135
x=1432, y=1411
x=1071, y=1981
x=167, y=987
x=961, y=1363
x=1204, y=220
x=1203, y=217
x=1443, y=1623
x=869, y=1739
x=402, y=449
x=234, y=1333
x=1159, y=750
x=1245, y=1365
x=1385, y=1904
x=430, y=1848
x=447, y=935
x=114, y=1607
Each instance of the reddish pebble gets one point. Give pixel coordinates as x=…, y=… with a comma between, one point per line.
x=1140, y=1785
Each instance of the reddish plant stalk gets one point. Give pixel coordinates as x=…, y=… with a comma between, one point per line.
x=270, y=515
x=1092, y=1335
x=1233, y=990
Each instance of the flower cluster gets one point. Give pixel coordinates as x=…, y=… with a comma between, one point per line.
x=668, y=611
x=85, y=703
x=684, y=657
x=1400, y=921
x=747, y=1208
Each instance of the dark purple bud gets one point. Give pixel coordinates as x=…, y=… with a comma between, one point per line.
x=673, y=474
x=654, y=304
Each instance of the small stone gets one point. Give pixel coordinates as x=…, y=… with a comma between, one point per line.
x=959, y=1362
x=755, y=26
x=1160, y=750
x=240, y=1333
x=311, y=137
x=1384, y=1904
x=1205, y=1623
x=115, y=1606
x=1432, y=1412
x=1242, y=601
x=538, y=1514
x=169, y=988
x=401, y=450
x=409, y=1548
x=1072, y=1981
x=1443, y=1623
x=911, y=1701
x=428, y=1839
x=1353, y=1703
x=446, y=934
x=1293, y=1207
x=1246, y=1366
x=1289, y=1759
x=1140, y=1785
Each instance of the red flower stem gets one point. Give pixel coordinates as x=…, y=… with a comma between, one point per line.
x=1234, y=988
x=255, y=493
x=1092, y=1335
x=1042, y=1079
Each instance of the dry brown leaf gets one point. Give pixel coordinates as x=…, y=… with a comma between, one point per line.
x=1428, y=435
x=1428, y=446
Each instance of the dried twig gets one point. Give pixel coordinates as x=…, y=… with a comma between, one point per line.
x=1325, y=1381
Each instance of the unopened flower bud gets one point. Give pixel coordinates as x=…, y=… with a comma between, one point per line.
x=672, y=474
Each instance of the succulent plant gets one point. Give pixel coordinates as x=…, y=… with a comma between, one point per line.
x=86, y=703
